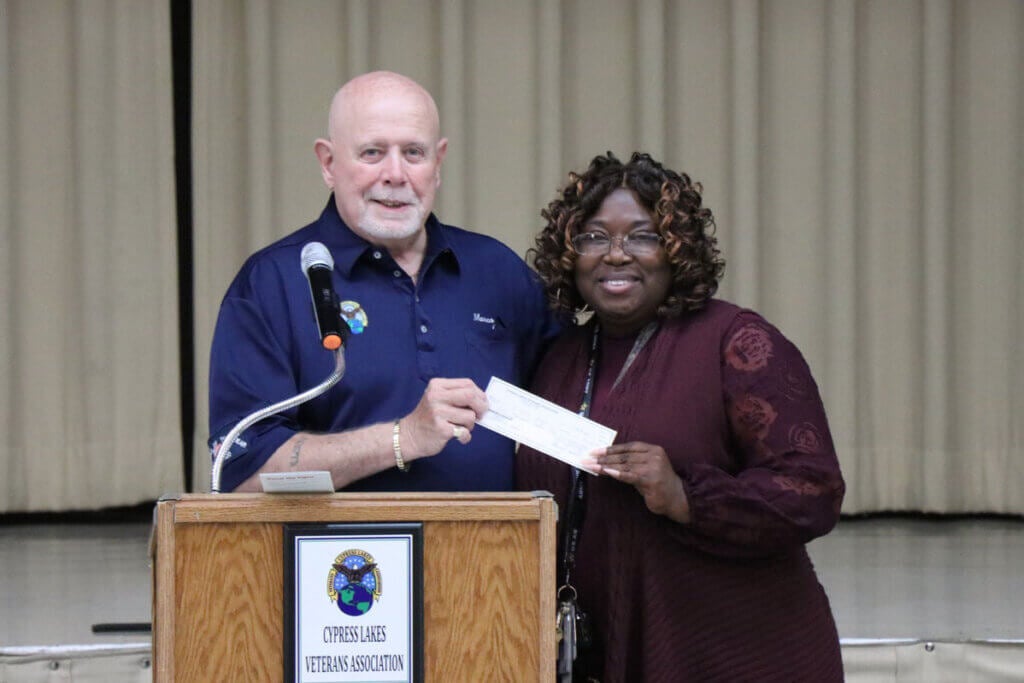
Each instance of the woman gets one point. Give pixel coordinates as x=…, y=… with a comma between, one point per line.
x=690, y=556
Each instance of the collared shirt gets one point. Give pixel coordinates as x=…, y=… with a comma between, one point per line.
x=476, y=310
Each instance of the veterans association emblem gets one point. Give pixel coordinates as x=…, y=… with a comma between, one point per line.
x=352, y=313
x=353, y=583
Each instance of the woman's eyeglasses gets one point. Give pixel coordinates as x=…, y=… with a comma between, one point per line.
x=641, y=243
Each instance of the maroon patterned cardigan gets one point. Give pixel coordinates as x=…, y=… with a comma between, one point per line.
x=731, y=596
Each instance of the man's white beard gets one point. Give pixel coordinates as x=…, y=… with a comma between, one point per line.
x=391, y=229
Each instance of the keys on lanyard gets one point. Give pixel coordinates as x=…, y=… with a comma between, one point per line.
x=566, y=627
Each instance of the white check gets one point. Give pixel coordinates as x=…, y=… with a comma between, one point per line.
x=542, y=425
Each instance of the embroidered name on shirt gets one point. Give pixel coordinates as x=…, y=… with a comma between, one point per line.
x=482, y=319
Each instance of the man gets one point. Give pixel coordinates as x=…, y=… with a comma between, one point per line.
x=435, y=312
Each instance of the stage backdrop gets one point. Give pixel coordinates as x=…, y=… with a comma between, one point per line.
x=864, y=160
x=89, y=400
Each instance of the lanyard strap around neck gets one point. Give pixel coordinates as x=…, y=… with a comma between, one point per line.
x=576, y=506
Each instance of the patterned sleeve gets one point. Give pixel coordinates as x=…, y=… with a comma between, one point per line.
x=788, y=487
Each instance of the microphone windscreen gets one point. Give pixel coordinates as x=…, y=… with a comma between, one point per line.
x=316, y=254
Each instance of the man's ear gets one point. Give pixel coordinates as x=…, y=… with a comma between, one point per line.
x=442, y=150
x=325, y=154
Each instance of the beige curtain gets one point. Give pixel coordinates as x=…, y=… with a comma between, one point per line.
x=89, y=409
x=864, y=160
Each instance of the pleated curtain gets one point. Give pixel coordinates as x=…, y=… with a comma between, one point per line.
x=90, y=406
x=864, y=160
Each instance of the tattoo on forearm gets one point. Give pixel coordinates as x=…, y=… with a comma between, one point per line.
x=296, y=450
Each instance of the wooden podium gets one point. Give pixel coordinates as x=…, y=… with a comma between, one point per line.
x=488, y=581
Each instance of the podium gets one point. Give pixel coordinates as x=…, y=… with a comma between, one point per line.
x=488, y=581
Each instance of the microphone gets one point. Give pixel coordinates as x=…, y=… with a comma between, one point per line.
x=318, y=265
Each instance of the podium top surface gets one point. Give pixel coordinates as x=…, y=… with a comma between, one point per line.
x=347, y=507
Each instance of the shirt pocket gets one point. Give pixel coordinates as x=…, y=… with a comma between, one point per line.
x=492, y=352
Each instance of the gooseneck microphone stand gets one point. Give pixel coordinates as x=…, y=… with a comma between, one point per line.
x=225, y=446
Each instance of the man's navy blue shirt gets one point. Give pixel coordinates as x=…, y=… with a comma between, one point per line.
x=476, y=310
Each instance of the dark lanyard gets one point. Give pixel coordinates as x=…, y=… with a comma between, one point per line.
x=576, y=506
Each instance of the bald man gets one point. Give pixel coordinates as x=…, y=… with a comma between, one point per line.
x=435, y=311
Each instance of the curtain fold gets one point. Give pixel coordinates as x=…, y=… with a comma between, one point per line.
x=90, y=404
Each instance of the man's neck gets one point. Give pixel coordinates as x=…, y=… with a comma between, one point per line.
x=409, y=263
x=409, y=254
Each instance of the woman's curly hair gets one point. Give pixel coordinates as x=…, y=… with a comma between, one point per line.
x=675, y=202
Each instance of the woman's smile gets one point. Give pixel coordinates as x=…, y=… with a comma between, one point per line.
x=619, y=284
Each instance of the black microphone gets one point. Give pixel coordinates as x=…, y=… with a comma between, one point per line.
x=317, y=264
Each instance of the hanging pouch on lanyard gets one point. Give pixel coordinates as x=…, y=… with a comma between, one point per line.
x=573, y=625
